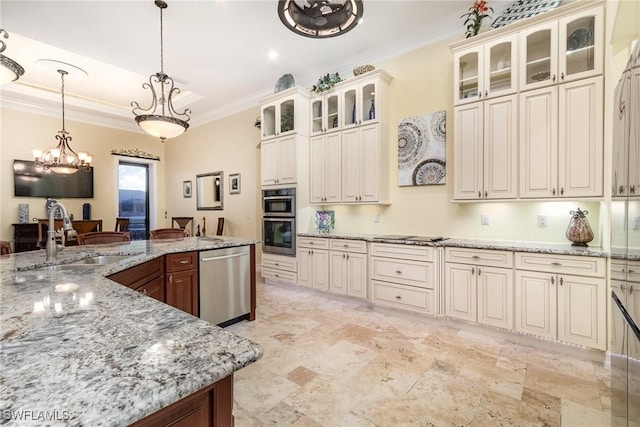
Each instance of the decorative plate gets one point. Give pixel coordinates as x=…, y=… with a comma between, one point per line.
x=523, y=9
x=540, y=76
x=430, y=171
x=284, y=82
x=579, y=39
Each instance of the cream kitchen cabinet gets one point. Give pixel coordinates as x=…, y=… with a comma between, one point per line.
x=279, y=159
x=562, y=50
x=326, y=113
x=365, y=170
x=348, y=267
x=479, y=286
x=485, y=149
x=325, y=168
x=365, y=99
x=625, y=282
x=284, y=113
x=278, y=267
x=561, y=297
x=486, y=70
x=403, y=276
x=313, y=262
x=561, y=140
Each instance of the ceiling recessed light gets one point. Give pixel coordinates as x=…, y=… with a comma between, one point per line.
x=272, y=54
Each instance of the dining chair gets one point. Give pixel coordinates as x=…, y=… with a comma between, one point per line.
x=5, y=248
x=183, y=222
x=220, y=226
x=122, y=224
x=97, y=237
x=167, y=233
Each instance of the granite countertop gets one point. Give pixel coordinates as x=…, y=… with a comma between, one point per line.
x=79, y=349
x=534, y=247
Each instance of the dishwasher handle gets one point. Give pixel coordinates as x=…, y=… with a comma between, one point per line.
x=215, y=258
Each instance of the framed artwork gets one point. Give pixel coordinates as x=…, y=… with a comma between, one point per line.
x=186, y=189
x=234, y=183
x=422, y=149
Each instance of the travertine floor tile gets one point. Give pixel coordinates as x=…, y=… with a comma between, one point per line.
x=332, y=361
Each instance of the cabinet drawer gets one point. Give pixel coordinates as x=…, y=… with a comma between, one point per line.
x=414, y=252
x=561, y=264
x=313, y=242
x=625, y=270
x=140, y=275
x=399, y=296
x=285, y=276
x=181, y=261
x=359, y=246
x=411, y=273
x=279, y=262
x=489, y=258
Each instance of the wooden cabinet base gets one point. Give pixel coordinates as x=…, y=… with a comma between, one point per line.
x=211, y=406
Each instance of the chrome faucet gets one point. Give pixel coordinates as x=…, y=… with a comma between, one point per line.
x=52, y=245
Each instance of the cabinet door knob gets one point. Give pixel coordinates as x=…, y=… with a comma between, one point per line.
x=553, y=191
x=473, y=270
x=562, y=75
x=475, y=257
x=556, y=264
x=347, y=256
x=561, y=191
x=485, y=193
x=184, y=261
x=479, y=271
x=171, y=278
x=479, y=194
x=553, y=281
x=343, y=256
x=480, y=94
x=621, y=189
x=633, y=189
x=486, y=93
x=398, y=297
x=630, y=289
x=398, y=272
x=276, y=275
x=554, y=78
x=561, y=281
x=345, y=245
x=277, y=264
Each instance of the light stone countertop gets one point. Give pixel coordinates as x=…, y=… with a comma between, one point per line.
x=534, y=247
x=84, y=350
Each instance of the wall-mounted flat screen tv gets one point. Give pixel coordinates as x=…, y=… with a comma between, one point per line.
x=31, y=181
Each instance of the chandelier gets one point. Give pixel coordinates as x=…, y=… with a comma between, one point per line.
x=11, y=70
x=161, y=119
x=62, y=159
x=320, y=18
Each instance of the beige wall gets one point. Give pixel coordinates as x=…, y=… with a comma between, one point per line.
x=22, y=132
x=229, y=145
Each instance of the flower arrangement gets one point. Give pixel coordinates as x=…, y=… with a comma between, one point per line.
x=475, y=16
x=326, y=82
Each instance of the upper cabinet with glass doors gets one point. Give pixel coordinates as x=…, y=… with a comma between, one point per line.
x=285, y=113
x=325, y=113
x=364, y=99
x=562, y=50
x=486, y=70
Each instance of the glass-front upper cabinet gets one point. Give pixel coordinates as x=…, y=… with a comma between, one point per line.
x=325, y=113
x=581, y=45
x=486, y=71
x=285, y=113
x=561, y=51
x=361, y=102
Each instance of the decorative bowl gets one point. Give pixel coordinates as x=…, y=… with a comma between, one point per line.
x=361, y=69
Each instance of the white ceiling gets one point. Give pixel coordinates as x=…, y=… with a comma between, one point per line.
x=216, y=50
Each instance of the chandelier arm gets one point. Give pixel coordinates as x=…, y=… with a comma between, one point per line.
x=154, y=101
x=172, y=110
x=4, y=34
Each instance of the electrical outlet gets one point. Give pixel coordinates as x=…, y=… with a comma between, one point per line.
x=484, y=219
x=542, y=220
x=636, y=223
x=376, y=217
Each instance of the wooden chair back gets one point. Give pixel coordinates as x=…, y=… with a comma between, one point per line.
x=220, y=226
x=122, y=224
x=183, y=222
x=5, y=248
x=167, y=233
x=97, y=237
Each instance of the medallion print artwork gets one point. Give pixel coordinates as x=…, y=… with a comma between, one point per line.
x=422, y=150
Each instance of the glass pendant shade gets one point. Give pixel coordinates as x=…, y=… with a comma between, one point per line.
x=162, y=127
x=10, y=70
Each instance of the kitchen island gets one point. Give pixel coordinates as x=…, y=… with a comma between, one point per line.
x=79, y=349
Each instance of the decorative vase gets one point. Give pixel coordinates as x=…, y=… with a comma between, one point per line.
x=353, y=114
x=579, y=231
x=49, y=204
x=372, y=111
x=23, y=213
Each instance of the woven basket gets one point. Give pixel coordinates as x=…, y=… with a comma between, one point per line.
x=361, y=69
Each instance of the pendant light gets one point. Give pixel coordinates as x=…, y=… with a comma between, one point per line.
x=62, y=159
x=10, y=70
x=160, y=119
x=320, y=18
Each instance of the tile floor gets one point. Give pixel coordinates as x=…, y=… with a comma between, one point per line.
x=330, y=361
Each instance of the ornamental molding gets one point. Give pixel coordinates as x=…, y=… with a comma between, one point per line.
x=134, y=152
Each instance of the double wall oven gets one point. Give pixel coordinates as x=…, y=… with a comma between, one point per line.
x=279, y=221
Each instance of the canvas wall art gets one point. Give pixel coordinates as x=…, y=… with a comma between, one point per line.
x=422, y=150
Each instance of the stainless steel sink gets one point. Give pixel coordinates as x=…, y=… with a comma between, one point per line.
x=67, y=267
x=100, y=260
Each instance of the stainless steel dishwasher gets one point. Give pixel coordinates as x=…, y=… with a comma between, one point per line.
x=225, y=281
